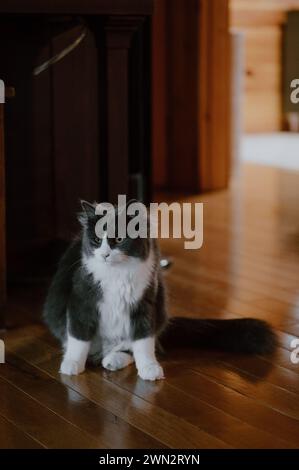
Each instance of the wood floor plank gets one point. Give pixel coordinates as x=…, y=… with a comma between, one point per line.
x=234, y=403
x=258, y=369
x=247, y=290
x=284, y=401
x=256, y=437
x=254, y=260
x=142, y=416
x=214, y=270
x=212, y=420
x=169, y=429
x=247, y=266
x=108, y=430
x=39, y=422
x=12, y=437
x=151, y=420
x=212, y=298
x=283, y=359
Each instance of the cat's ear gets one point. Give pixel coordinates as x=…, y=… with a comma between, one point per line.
x=88, y=208
x=88, y=211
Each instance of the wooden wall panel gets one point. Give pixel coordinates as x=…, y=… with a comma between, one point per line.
x=262, y=23
x=191, y=94
x=175, y=88
x=254, y=13
x=214, y=95
x=262, y=83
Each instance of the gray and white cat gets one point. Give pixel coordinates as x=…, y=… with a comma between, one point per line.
x=107, y=304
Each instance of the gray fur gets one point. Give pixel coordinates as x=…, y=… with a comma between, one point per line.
x=74, y=295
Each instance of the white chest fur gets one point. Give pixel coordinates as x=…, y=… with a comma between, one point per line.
x=122, y=287
x=114, y=308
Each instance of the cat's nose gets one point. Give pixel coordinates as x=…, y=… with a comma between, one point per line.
x=105, y=256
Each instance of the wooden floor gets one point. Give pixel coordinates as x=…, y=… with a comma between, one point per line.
x=248, y=266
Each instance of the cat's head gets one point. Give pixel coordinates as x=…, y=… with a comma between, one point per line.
x=98, y=242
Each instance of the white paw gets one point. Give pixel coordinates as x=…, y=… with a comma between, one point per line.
x=117, y=360
x=70, y=367
x=151, y=371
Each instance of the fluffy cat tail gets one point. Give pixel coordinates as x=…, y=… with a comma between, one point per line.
x=244, y=335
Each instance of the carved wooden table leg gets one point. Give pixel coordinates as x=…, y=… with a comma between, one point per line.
x=127, y=107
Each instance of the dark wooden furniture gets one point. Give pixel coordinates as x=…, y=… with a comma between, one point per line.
x=123, y=29
x=106, y=127
x=8, y=93
x=2, y=212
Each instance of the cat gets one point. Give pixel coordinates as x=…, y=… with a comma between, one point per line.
x=107, y=304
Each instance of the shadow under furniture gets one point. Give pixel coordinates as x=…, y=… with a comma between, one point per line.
x=78, y=129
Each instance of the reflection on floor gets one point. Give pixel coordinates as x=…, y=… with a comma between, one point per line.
x=248, y=266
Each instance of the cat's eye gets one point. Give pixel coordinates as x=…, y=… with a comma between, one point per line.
x=119, y=239
x=97, y=239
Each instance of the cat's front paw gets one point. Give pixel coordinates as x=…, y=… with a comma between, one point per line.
x=117, y=360
x=70, y=367
x=151, y=371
